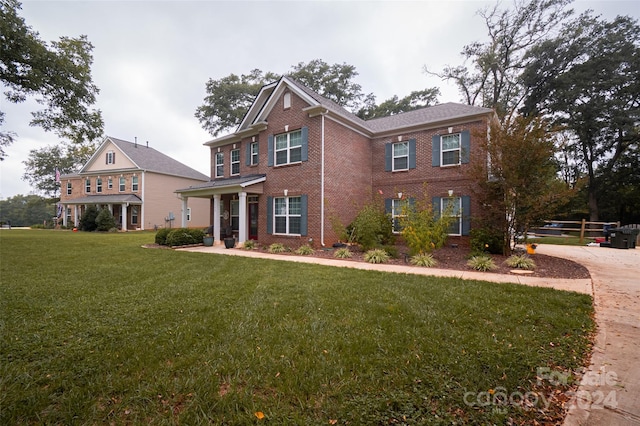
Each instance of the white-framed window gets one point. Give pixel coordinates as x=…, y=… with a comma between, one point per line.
x=219, y=164
x=288, y=148
x=452, y=207
x=110, y=157
x=68, y=209
x=69, y=188
x=121, y=184
x=87, y=185
x=134, y=183
x=254, y=153
x=401, y=156
x=450, y=149
x=99, y=185
x=235, y=162
x=397, y=206
x=286, y=100
x=287, y=215
x=235, y=215
x=134, y=215
x=110, y=183
x=188, y=214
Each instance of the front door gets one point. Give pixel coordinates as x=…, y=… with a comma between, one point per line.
x=253, y=220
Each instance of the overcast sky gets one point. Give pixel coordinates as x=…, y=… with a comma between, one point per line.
x=153, y=58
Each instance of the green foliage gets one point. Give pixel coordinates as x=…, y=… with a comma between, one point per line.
x=161, y=236
x=27, y=210
x=376, y=256
x=184, y=236
x=520, y=261
x=57, y=73
x=277, y=248
x=105, y=220
x=88, y=219
x=481, y=263
x=371, y=228
x=487, y=240
x=416, y=100
x=305, y=250
x=249, y=245
x=421, y=230
x=343, y=253
x=423, y=259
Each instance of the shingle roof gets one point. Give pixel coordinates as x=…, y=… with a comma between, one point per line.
x=105, y=199
x=226, y=182
x=151, y=160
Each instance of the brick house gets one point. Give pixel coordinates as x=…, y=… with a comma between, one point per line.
x=298, y=161
x=136, y=183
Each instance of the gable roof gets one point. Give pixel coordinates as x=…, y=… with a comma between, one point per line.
x=255, y=118
x=148, y=159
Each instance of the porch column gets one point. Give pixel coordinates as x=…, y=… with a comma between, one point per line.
x=184, y=210
x=243, y=222
x=124, y=216
x=75, y=215
x=64, y=215
x=216, y=217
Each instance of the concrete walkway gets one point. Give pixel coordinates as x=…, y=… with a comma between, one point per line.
x=609, y=393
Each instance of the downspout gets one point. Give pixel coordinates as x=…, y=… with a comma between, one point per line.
x=143, y=201
x=322, y=182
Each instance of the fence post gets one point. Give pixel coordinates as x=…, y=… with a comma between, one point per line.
x=582, y=230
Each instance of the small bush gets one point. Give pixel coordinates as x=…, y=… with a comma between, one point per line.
x=88, y=219
x=520, y=261
x=161, y=236
x=392, y=251
x=486, y=240
x=249, y=245
x=305, y=250
x=343, y=253
x=277, y=248
x=184, y=236
x=371, y=228
x=105, y=220
x=481, y=263
x=423, y=259
x=376, y=256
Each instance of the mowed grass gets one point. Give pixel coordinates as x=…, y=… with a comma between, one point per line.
x=96, y=329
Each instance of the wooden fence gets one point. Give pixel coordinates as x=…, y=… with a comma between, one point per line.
x=585, y=227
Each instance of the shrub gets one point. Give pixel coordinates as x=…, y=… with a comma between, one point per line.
x=486, y=240
x=520, y=261
x=249, y=245
x=277, y=248
x=392, y=251
x=481, y=263
x=423, y=259
x=371, y=228
x=343, y=253
x=376, y=256
x=305, y=250
x=184, y=236
x=105, y=220
x=421, y=230
x=88, y=219
x=161, y=236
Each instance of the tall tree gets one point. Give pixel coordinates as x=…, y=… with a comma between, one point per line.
x=415, y=100
x=522, y=187
x=490, y=74
x=586, y=80
x=58, y=75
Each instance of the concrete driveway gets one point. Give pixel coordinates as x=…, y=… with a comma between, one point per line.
x=609, y=393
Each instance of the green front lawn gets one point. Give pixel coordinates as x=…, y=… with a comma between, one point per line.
x=96, y=329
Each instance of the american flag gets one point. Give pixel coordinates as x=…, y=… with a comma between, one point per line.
x=57, y=175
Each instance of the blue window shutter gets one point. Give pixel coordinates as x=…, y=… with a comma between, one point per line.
x=270, y=150
x=465, y=144
x=435, y=151
x=466, y=214
x=305, y=144
x=269, y=215
x=412, y=202
x=412, y=153
x=435, y=202
x=247, y=160
x=304, y=212
x=388, y=205
x=387, y=157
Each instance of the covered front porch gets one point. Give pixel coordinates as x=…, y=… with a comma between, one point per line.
x=125, y=208
x=234, y=206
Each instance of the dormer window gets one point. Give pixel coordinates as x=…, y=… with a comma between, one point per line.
x=110, y=157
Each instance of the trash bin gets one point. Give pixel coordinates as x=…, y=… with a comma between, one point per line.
x=623, y=238
x=606, y=231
